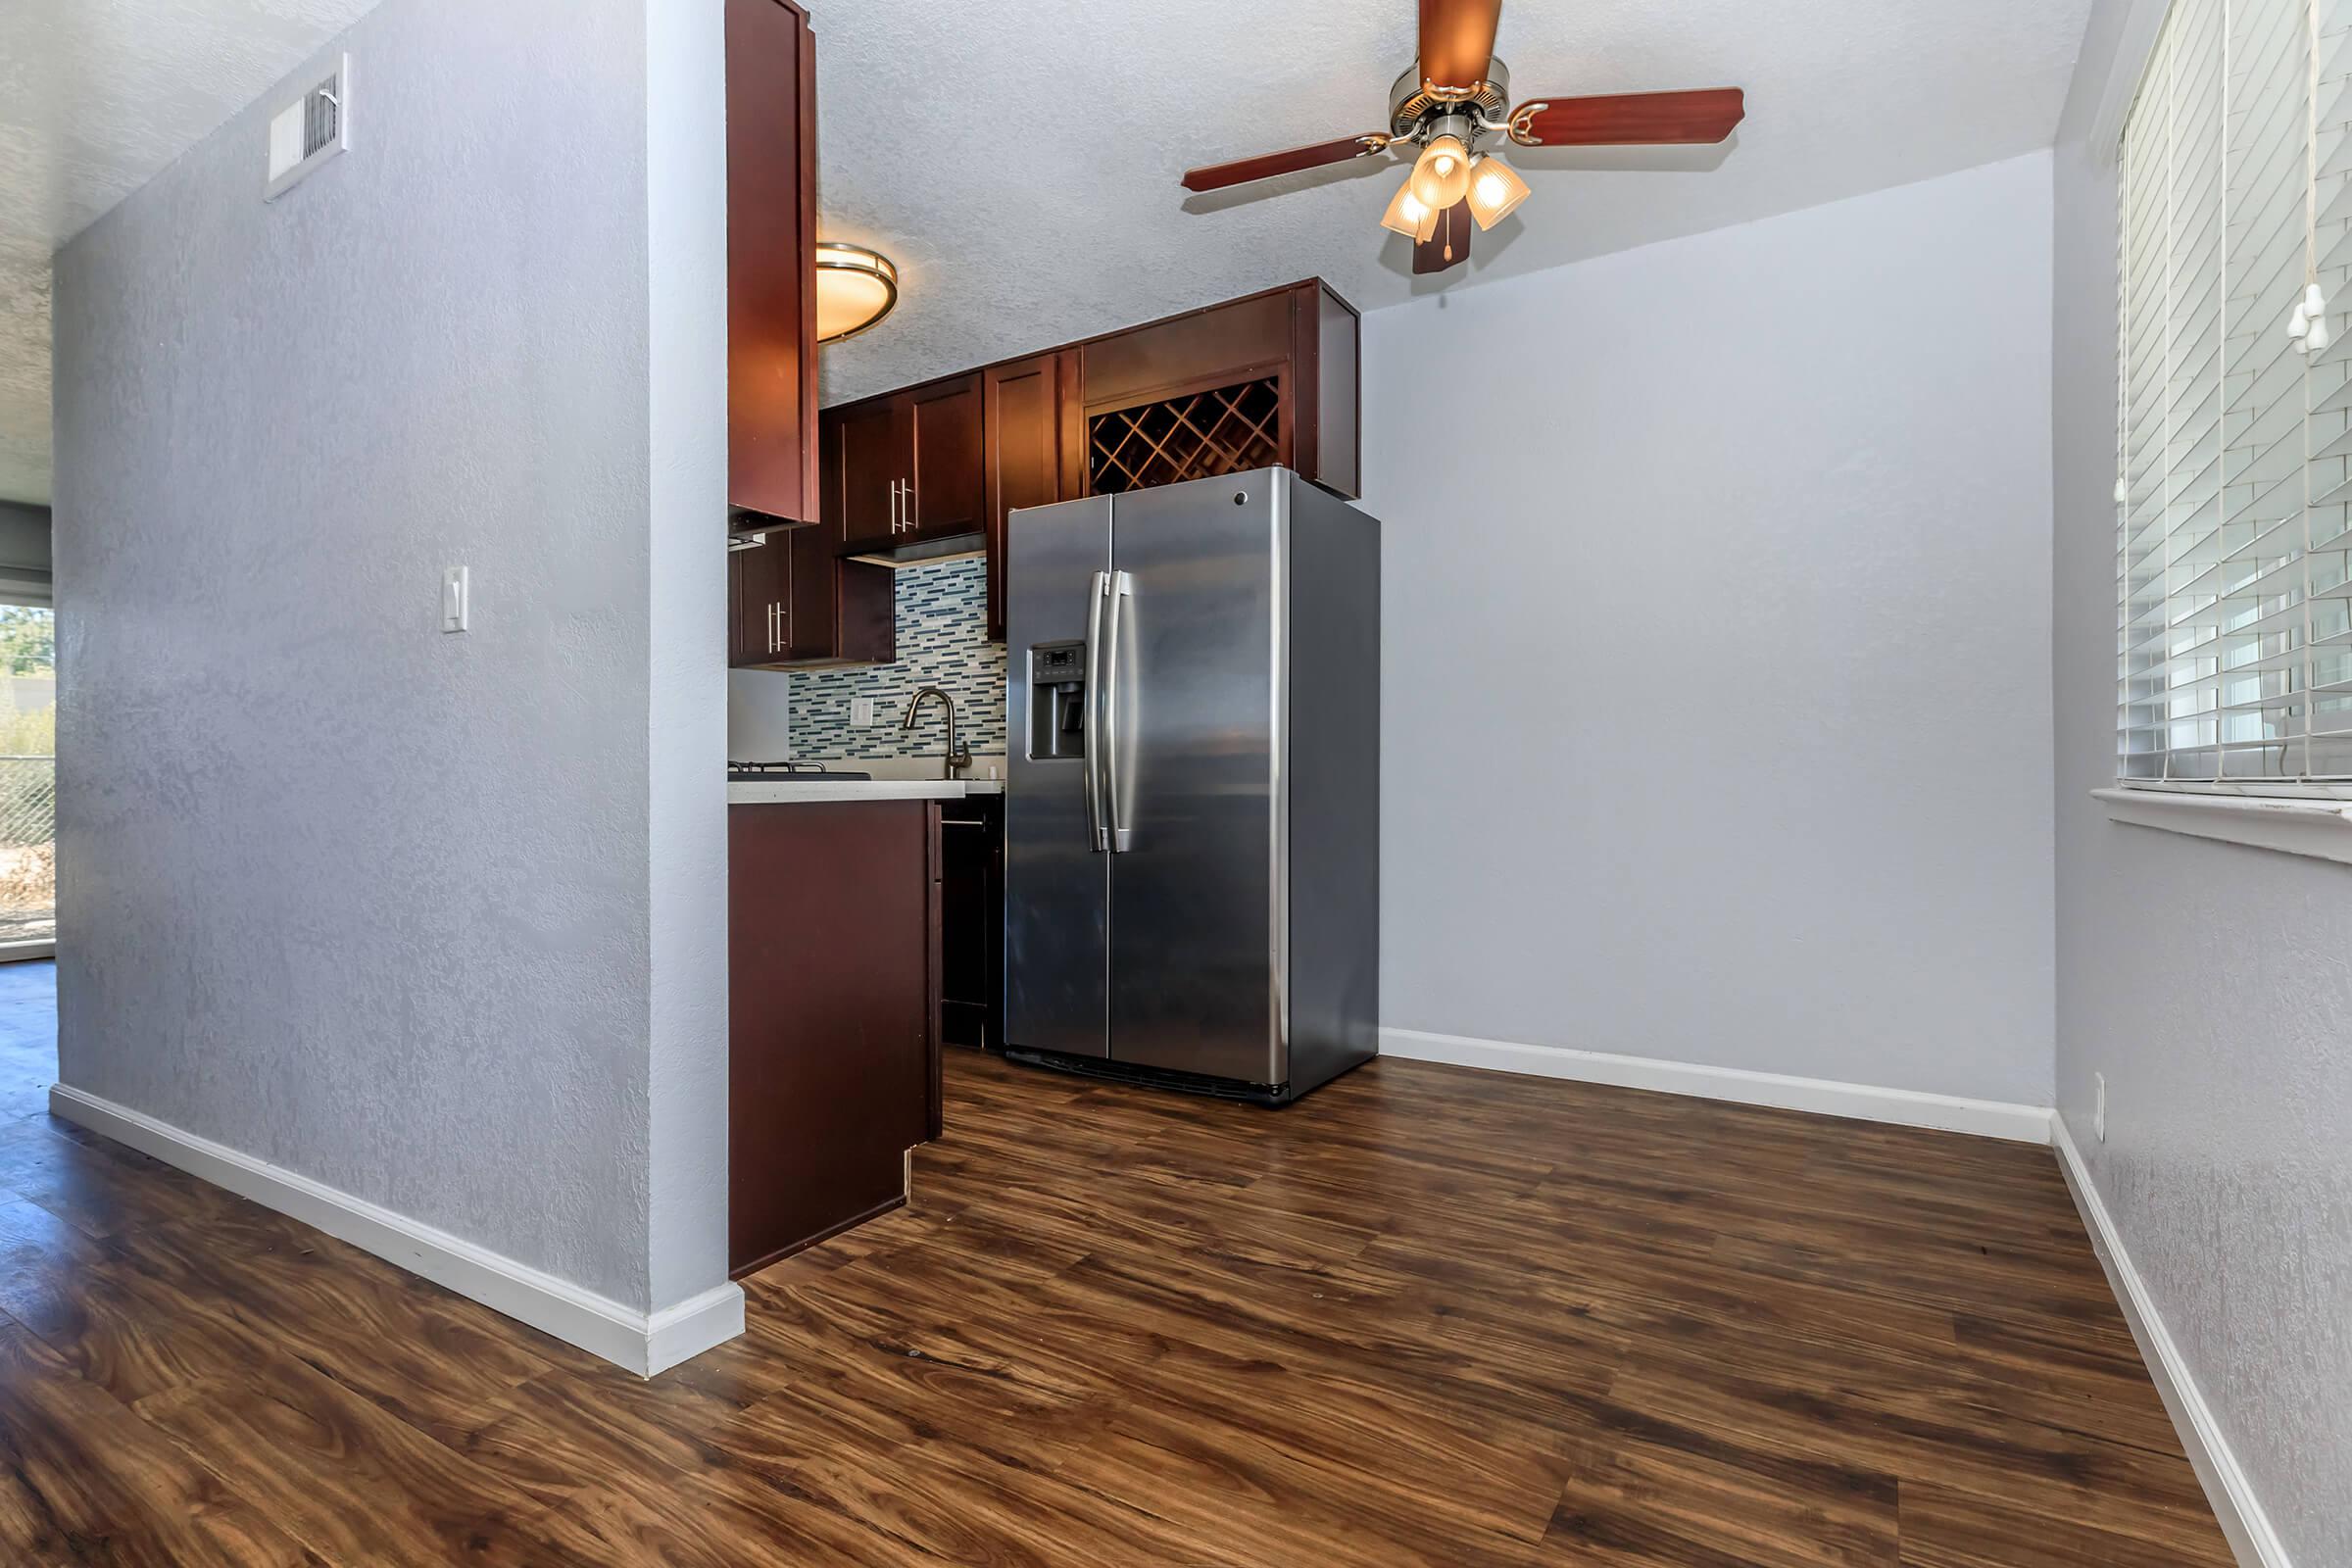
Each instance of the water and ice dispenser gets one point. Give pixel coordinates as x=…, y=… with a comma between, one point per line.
x=1056, y=700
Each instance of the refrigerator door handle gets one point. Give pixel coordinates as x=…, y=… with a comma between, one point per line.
x=1119, y=591
x=1096, y=839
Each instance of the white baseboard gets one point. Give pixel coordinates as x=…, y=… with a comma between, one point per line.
x=2226, y=1489
x=1907, y=1108
x=643, y=1342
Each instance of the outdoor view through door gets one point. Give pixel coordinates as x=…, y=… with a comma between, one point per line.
x=28, y=775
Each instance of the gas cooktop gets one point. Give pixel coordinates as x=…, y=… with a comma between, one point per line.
x=786, y=772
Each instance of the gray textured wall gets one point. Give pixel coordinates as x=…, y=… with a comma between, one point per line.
x=2208, y=981
x=1716, y=728
x=362, y=899
x=686, y=734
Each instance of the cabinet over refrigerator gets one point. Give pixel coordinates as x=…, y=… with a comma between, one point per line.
x=1192, y=882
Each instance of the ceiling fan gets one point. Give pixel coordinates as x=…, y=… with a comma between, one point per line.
x=1456, y=96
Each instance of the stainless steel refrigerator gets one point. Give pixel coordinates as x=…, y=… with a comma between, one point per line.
x=1191, y=873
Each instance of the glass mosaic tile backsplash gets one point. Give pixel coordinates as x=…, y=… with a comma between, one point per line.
x=943, y=642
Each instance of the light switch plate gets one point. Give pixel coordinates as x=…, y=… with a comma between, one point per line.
x=457, y=599
x=2098, y=1115
x=862, y=712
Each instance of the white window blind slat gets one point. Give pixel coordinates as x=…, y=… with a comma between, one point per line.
x=2233, y=450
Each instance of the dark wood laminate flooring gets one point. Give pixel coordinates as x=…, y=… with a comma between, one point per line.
x=1426, y=1316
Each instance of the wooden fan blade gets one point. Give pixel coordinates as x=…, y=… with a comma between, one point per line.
x=1216, y=177
x=1629, y=118
x=1448, y=244
x=1457, y=39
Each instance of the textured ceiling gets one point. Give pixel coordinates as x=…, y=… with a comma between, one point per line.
x=1019, y=160
x=96, y=97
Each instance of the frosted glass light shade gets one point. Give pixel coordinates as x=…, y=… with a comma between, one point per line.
x=1496, y=191
x=1406, y=214
x=1443, y=175
x=854, y=288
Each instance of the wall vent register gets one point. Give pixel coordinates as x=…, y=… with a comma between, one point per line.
x=310, y=130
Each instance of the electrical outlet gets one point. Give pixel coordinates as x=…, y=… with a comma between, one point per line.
x=862, y=712
x=2098, y=1112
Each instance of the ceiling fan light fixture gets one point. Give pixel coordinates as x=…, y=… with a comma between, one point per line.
x=1495, y=190
x=1406, y=214
x=1443, y=176
x=855, y=288
x=1454, y=94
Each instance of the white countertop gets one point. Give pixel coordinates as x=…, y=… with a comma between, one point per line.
x=814, y=791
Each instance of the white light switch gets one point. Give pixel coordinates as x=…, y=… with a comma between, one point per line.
x=457, y=599
x=861, y=712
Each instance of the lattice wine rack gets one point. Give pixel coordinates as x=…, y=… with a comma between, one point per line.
x=1229, y=430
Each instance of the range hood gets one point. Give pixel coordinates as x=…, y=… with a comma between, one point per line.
x=750, y=520
x=955, y=547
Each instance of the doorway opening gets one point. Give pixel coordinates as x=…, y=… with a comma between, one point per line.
x=27, y=781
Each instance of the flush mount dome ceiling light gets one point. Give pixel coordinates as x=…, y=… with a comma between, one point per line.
x=854, y=288
x=1457, y=95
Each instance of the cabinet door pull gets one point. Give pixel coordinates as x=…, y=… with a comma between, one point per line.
x=907, y=504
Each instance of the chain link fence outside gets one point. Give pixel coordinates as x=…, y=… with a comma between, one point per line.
x=28, y=849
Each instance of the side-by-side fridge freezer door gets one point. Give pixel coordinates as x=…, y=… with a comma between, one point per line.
x=1192, y=712
x=1057, y=879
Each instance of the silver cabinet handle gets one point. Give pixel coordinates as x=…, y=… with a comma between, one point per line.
x=907, y=502
x=1096, y=841
x=1121, y=591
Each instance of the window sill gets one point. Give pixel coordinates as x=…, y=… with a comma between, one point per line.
x=2319, y=828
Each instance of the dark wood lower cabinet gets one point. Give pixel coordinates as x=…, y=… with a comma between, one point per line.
x=833, y=1031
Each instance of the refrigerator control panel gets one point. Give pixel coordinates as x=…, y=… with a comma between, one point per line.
x=1058, y=662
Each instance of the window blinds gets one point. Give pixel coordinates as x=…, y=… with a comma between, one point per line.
x=2233, y=437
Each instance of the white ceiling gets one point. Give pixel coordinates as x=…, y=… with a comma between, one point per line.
x=1019, y=158
x=96, y=97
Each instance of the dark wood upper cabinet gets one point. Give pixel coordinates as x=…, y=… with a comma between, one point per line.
x=1269, y=378
x=869, y=451
x=1223, y=341
x=793, y=602
x=759, y=603
x=1030, y=450
x=904, y=469
x=948, y=494
x=771, y=265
